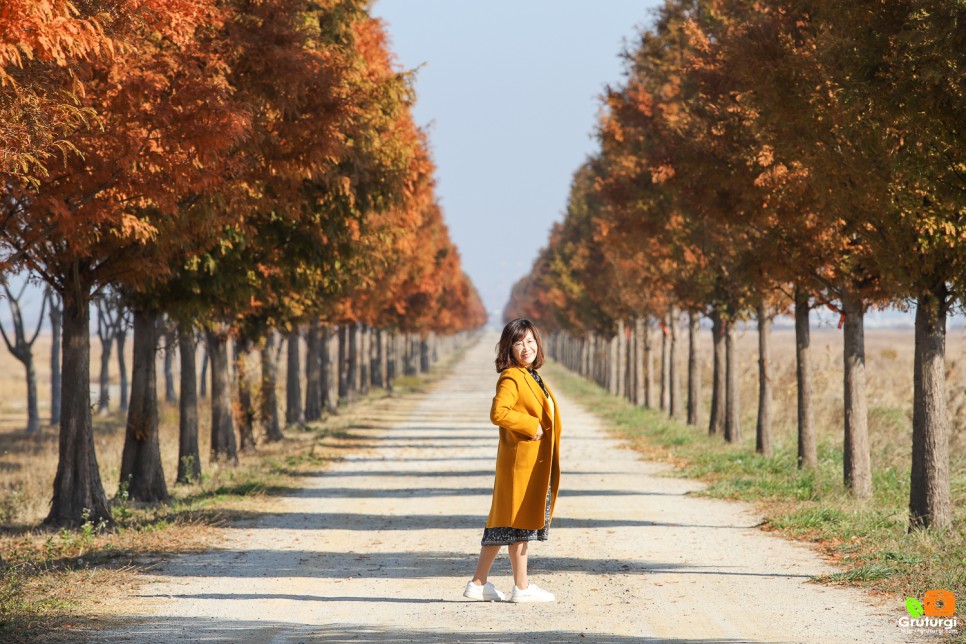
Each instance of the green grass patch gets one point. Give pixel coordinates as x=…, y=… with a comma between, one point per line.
x=860, y=574
x=869, y=539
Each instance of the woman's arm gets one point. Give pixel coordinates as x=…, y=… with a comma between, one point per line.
x=503, y=414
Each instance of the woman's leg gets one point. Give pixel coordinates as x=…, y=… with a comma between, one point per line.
x=487, y=557
x=518, y=561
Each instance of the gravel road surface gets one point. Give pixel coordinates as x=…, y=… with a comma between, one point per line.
x=379, y=547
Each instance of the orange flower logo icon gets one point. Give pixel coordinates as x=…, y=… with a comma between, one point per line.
x=939, y=603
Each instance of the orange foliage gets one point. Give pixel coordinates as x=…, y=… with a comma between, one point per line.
x=164, y=115
x=47, y=47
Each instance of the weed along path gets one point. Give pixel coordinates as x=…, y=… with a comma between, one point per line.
x=379, y=548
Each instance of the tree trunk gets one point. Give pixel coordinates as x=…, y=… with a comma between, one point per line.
x=380, y=368
x=732, y=425
x=269, y=397
x=763, y=427
x=329, y=401
x=223, y=443
x=424, y=354
x=378, y=355
x=78, y=492
x=365, y=359
x=807, y=444
x=640, y=328
x=189, y=457
x=665, y=367
x=122, y=364
x=694, y=369
x=674, y=373
x=22, y=348
x=611, y=370
x=355, y=361
x=412, y=348
x=170, y=394
x=107, y=343
x=412, y=354
x=203, y=379
x=630, y=361
x=392, y=359
x=293, y=385
x=584, y=358
x=592, y=362
x=343, y=363
x=141, y=469
x=930, y=499
x=246, y=403
x=33, y=412
x=620, y=386
x=857, y=468
x=716, y=422
x=600, y=361
x=648, y=368
x=330, y=361
x=313, y=373
x=56, y=330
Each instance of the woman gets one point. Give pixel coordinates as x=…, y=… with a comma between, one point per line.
x=527, y=464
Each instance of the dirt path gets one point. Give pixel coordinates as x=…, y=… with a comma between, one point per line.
x=379, y=548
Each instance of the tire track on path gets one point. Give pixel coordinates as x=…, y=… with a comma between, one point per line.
x=379, y=548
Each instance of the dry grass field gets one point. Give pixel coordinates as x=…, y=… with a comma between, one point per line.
x=889, y=371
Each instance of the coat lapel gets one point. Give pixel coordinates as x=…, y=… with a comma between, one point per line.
x=538, y=392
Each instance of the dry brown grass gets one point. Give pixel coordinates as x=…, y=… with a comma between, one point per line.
x=889, y=369
x=28, y=464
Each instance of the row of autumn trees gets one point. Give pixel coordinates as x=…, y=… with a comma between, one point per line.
x=238, y=167
x=777, y=155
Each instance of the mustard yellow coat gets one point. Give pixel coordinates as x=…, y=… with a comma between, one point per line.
x=524, y=467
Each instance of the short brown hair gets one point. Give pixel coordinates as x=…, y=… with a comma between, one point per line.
x=514, y=331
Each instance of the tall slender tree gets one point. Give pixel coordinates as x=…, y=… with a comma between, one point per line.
x=21, y=347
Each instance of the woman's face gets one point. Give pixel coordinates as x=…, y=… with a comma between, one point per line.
x=525, y=350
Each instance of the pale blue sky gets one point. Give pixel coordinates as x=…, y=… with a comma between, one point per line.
x=509, y=90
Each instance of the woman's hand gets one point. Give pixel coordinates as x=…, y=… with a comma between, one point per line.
x=538, y=435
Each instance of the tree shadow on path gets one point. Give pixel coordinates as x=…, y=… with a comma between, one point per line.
x=171, y=629
x=375, y=522
x=252, y=564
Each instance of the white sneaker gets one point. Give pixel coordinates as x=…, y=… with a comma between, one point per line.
x=487, y=592
x=531, y=593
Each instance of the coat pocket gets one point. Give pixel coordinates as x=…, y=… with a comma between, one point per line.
x=527, y=455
